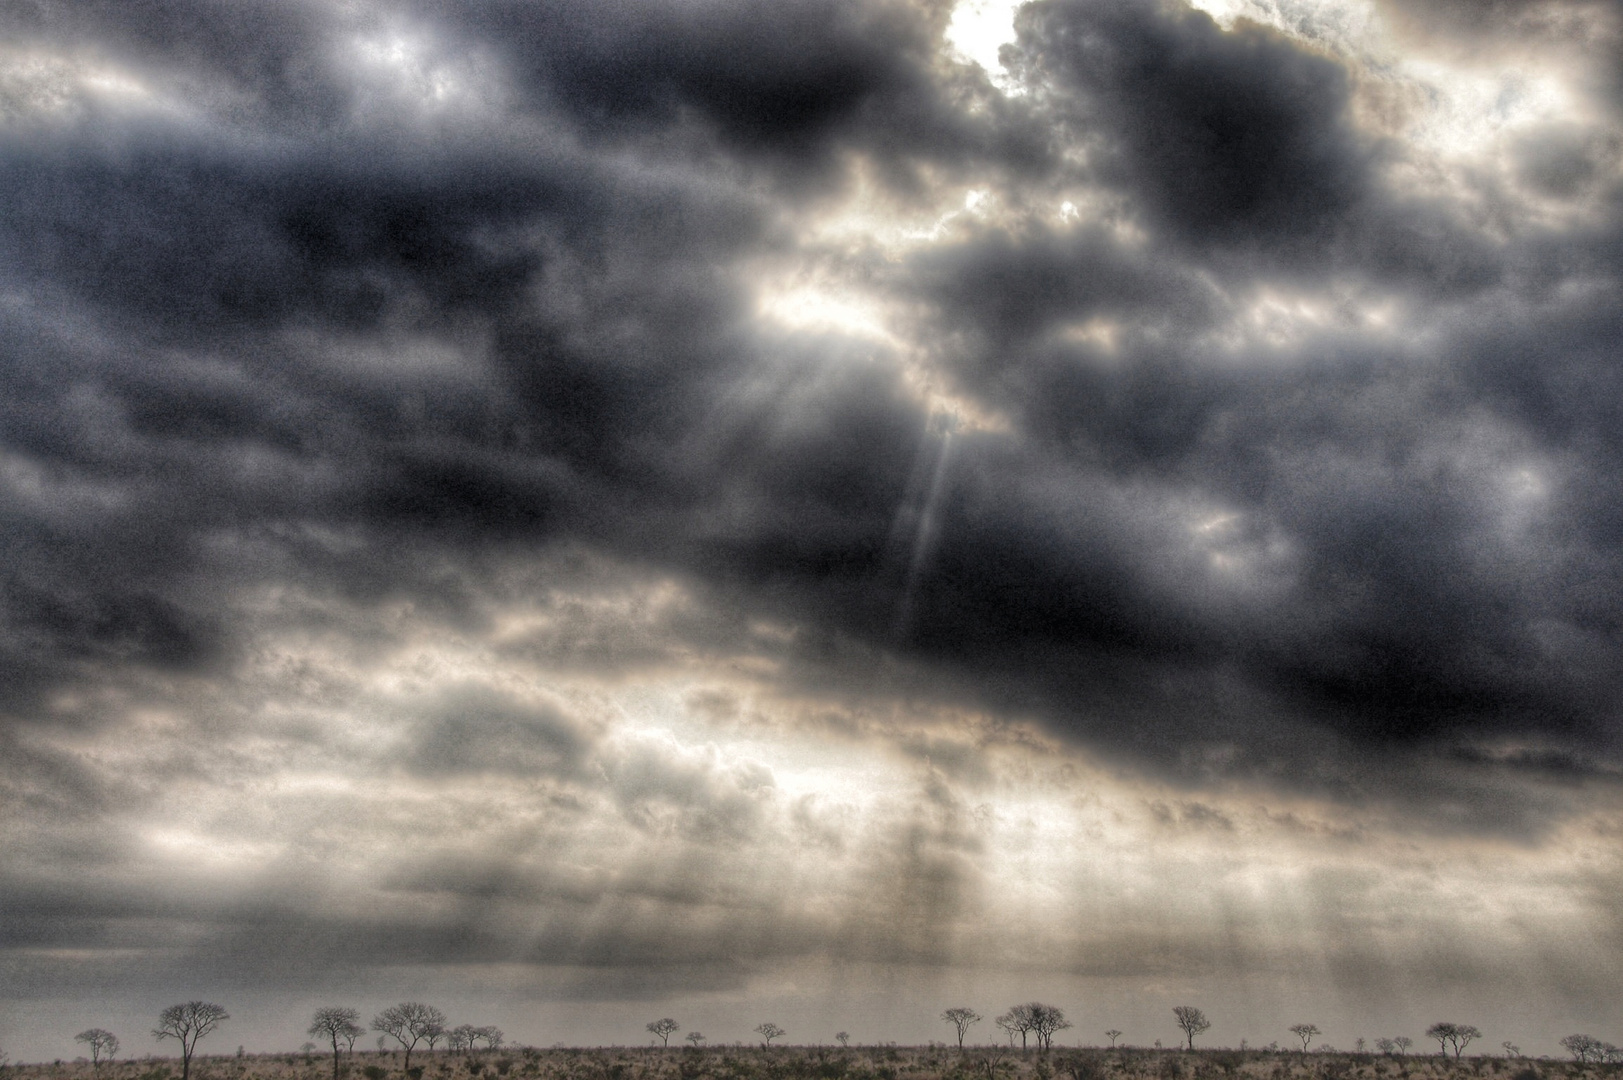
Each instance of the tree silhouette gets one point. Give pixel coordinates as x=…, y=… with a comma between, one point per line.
x=1017, y=1021
x=1584, y=1048
x=1192, y=1020
x=695, y=1037
x=961, y=1018
x=1454, y=1037
x=188, y=1023
x=409, y=1023
x=770, y=1031
x=1114, y=1035
x=843, y=1038
x=1045, y=1021
x=663, y=1027
x=1305, y=1032
x=337, y=1024
x=102, y=1044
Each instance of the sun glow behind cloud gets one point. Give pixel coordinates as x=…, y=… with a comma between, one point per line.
x=979, y=28
x=1011, y=834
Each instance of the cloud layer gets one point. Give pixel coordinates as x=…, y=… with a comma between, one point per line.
x=670, y=494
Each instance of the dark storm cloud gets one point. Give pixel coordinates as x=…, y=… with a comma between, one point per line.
x=1224, y=136
x=283, y=335
x=1407, y=604
x=795, y=84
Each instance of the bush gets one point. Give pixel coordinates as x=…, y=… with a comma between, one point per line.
x=375, y=1072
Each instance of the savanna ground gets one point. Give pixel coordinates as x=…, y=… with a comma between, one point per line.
x=829, y=1063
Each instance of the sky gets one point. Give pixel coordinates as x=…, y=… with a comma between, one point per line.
x=819, y=511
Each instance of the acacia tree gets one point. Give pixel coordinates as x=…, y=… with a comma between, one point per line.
x=1016, y=1021
x=694, y=1037
x=664, y=1027
x=493, y=1036
x=1305, y=1032
x=843, y=1038
x=1403, y=1042
x=187, y=1023
x=1045, y=1021
x=961, y=1018
x=337, y=1024
x=770, y=1031
x=1584, y=1048
x=1114, y=1035
x=462, y=1037
x=409, y=1023
x=1192, y=1020
x=102, y=1044
x=1455, y=1037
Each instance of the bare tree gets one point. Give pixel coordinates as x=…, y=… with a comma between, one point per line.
x=962, y=1018
x=1045, y=1021
x=462, y=1037
x=1114, y=1035
x=843, y=1038
x=1511, y=1049
x=1386, y=1046
x=188, y=1022
x=1583, y=1048
x=770, y=1031
x=694, y=1037
x=1455, y=1037
x=664, y=1027
x=1305, y=1032
x=1402, y=1042
x=408, y=1023
x=493, y=1036
x=1192, y=1020
x=1017, y=1021
x=337, y=1025
x=102, y=1044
